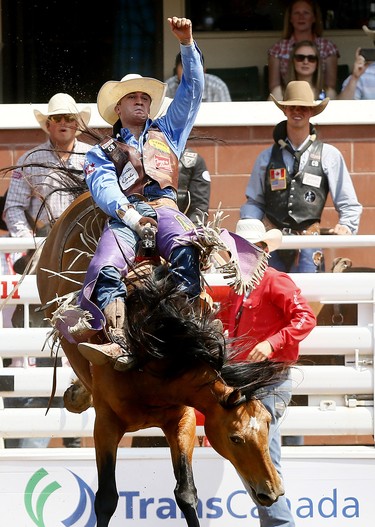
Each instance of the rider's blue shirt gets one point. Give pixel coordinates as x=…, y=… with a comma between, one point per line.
x=176, y=126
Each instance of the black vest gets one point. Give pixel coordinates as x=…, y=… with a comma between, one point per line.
x=186, y=168
x=295, y=202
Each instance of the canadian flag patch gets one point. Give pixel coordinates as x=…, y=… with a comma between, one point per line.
x=278, y=178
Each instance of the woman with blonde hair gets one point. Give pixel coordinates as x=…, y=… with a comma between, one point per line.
x=305, y=64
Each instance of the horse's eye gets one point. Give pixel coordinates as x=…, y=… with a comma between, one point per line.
x=237, y=440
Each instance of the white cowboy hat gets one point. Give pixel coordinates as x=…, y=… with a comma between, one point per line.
x=299, y=93
x=369, y=32
x=59, y=104
x=163, y=107
x=254, y=231
x=113, y=91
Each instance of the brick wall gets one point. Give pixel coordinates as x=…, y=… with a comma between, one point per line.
x=230, y=162
x=230, y=153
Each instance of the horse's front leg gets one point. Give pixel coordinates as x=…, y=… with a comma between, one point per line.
x=108, y=431
x=181, y=439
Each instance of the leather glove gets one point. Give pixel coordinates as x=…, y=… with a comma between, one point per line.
x=135, y=221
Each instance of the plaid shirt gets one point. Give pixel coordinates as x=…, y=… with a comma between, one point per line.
x=30, y=185
x=283, y=48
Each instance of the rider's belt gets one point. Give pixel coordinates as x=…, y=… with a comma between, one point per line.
x=314, y=228
x=163, y=202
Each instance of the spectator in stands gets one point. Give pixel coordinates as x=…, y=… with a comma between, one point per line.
x=215, y=89
x=305, y=65
x=361, y=83
x=38, y=174
x=290, y=181
x=269, y=323
x=302, y=21
x=33, y=204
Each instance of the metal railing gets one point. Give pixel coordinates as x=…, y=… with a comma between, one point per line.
x=340, y=396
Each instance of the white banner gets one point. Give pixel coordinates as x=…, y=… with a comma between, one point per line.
x=56, y=489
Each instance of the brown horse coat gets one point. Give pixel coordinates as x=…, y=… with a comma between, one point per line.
x=162, y=393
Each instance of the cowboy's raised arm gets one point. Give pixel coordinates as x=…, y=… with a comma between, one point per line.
x=182, y=29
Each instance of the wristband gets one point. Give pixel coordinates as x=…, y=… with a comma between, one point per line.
x=131, y=217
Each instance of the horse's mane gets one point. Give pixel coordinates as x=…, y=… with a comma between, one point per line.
x=252, y=377
x=163, y=321
x=164, y=324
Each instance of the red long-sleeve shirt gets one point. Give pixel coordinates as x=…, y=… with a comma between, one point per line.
x=274, y=311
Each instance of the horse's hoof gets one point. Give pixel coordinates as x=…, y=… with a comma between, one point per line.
x=76, y=398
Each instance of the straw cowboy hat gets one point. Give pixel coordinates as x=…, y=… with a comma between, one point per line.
x=163, y=107
x=254, y=231
x=113, y=91
x=59, y=104
x=299, y=93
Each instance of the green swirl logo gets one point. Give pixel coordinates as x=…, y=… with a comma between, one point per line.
x=35, y=501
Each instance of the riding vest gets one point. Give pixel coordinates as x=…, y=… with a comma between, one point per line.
x=159, y=163
x=296, y=201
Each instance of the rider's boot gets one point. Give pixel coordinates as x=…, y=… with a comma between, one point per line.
x=116, y=351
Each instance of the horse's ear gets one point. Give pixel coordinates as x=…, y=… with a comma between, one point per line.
x=235, y=398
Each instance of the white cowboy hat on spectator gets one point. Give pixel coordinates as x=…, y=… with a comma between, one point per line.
x=299, y=93
x=61, y=104
x=369, y=32
x=113, y=91
x=254, y=231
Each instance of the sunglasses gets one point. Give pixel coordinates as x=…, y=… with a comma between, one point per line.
x=302, y=58
x=68, y=118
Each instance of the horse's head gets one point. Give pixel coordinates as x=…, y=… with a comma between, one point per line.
x=239, y=433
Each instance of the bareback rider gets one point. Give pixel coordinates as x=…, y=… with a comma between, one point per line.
x=133, y=178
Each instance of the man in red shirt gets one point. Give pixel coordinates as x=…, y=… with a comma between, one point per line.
x=269, y=323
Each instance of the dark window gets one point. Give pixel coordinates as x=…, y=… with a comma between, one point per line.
x=75, y=47
x=260, y=15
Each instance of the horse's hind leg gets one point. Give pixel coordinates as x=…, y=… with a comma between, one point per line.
x=107, y=435
x=181, y=439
